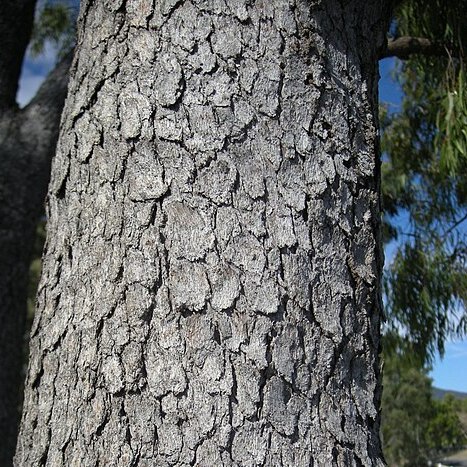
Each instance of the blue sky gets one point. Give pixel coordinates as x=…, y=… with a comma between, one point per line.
x=34, y=72
x=448, y=373
x=451, y=373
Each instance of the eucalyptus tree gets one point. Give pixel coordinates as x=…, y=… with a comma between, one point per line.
x=424, y=173
x=422, y=40
x=424, y=178
x=211, y=282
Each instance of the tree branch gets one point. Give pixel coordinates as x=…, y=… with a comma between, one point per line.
x=41, y=117
x=405, y=46
x=51, y=95
x=454, y=226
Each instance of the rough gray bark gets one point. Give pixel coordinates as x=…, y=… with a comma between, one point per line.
x=210, y=292
x=27, y=141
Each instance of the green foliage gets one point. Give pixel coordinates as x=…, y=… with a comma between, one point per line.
x=452, y=124
x=439, y=20
x=424, y=184
x=407, y=410
x=415, y=427
x=428, y=286
x=55, y=23
x=445, y=430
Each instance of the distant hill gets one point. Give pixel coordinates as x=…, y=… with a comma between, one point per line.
x=440, y=393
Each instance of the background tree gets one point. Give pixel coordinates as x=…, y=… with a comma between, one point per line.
x=416, y=427
x=407, y=413
x=424, y=201
x=445, y=429
x=424, y=177
x=27, y=141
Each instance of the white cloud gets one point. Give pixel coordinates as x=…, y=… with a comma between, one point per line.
x=456, y=350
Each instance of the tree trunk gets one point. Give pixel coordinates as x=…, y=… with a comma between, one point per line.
x=27, y=141
x=211, y=286
x=15, y=27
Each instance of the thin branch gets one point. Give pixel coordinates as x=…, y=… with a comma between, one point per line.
x=405, y=46
x=454, y=226
x=410, y=234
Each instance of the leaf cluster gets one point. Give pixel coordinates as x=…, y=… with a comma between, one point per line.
x=55, y=23
x=424, y=184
